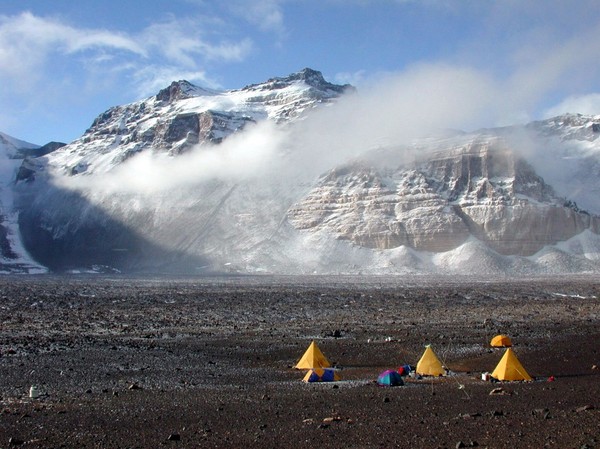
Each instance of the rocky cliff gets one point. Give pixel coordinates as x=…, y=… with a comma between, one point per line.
x=478, y=189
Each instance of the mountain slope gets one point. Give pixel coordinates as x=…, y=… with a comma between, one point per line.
x=13, y=256
x=182, y=116
x=488, y=202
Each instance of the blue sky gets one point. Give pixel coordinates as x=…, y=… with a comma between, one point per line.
x=62, y=63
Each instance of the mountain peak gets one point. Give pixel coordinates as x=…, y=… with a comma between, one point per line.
x=310, y=77
x=569, y=126
x=181, y=89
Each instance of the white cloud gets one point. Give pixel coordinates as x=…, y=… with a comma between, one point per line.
x=538, y=71
x=266, y=14
x=29, y=43
x=582, y=104
x=246, y=155
x=396, y=108
x=355, y=78
x=393, y=111
x=181, y=41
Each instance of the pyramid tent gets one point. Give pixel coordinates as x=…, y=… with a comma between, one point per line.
x=509, y=368
x=321, y=375
x=501, y=341
x=430, y=365
x=313, y=358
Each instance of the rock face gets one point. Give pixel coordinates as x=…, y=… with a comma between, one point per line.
x=468, y=203
x=480, y=189
x=183, y=115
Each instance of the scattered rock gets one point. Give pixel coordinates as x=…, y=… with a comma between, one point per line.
x=331, y=419
x=497, y=413
x=386, y=399
x=543, y=412
x=15, y=441
x=135, y=387
x=584, y=408
x=469, y=444
x=174, y=437
x=499, y=392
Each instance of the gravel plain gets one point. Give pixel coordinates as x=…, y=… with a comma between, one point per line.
x=151, y=362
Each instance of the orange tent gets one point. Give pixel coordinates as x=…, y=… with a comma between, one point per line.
x=501, y=341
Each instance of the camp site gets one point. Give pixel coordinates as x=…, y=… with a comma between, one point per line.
x=230, y=362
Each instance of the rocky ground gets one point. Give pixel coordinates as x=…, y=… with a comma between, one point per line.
x=182, y=363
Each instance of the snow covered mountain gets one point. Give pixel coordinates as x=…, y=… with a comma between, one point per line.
x=240, y=191
x=13, y=256
x=182, y=116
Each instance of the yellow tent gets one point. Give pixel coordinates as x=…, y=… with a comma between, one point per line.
x=313, y=358
x=501, y=341
x=430, y=365
x=509, y=368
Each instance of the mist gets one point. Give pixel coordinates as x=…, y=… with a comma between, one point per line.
x=392, y=110
x=389, y=110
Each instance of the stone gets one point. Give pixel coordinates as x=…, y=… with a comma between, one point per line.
x=499, y=392
x=542, y=412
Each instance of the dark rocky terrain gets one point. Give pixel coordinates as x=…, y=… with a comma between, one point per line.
x=149, y=363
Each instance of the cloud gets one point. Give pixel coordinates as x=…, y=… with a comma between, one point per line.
x=396, y=108
x=266, y=14
x=181, y=41
x=354, y=79
x=29, y=44
x=537, y=71
x=243, y=156
x=392, y=111
x=582, y=104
